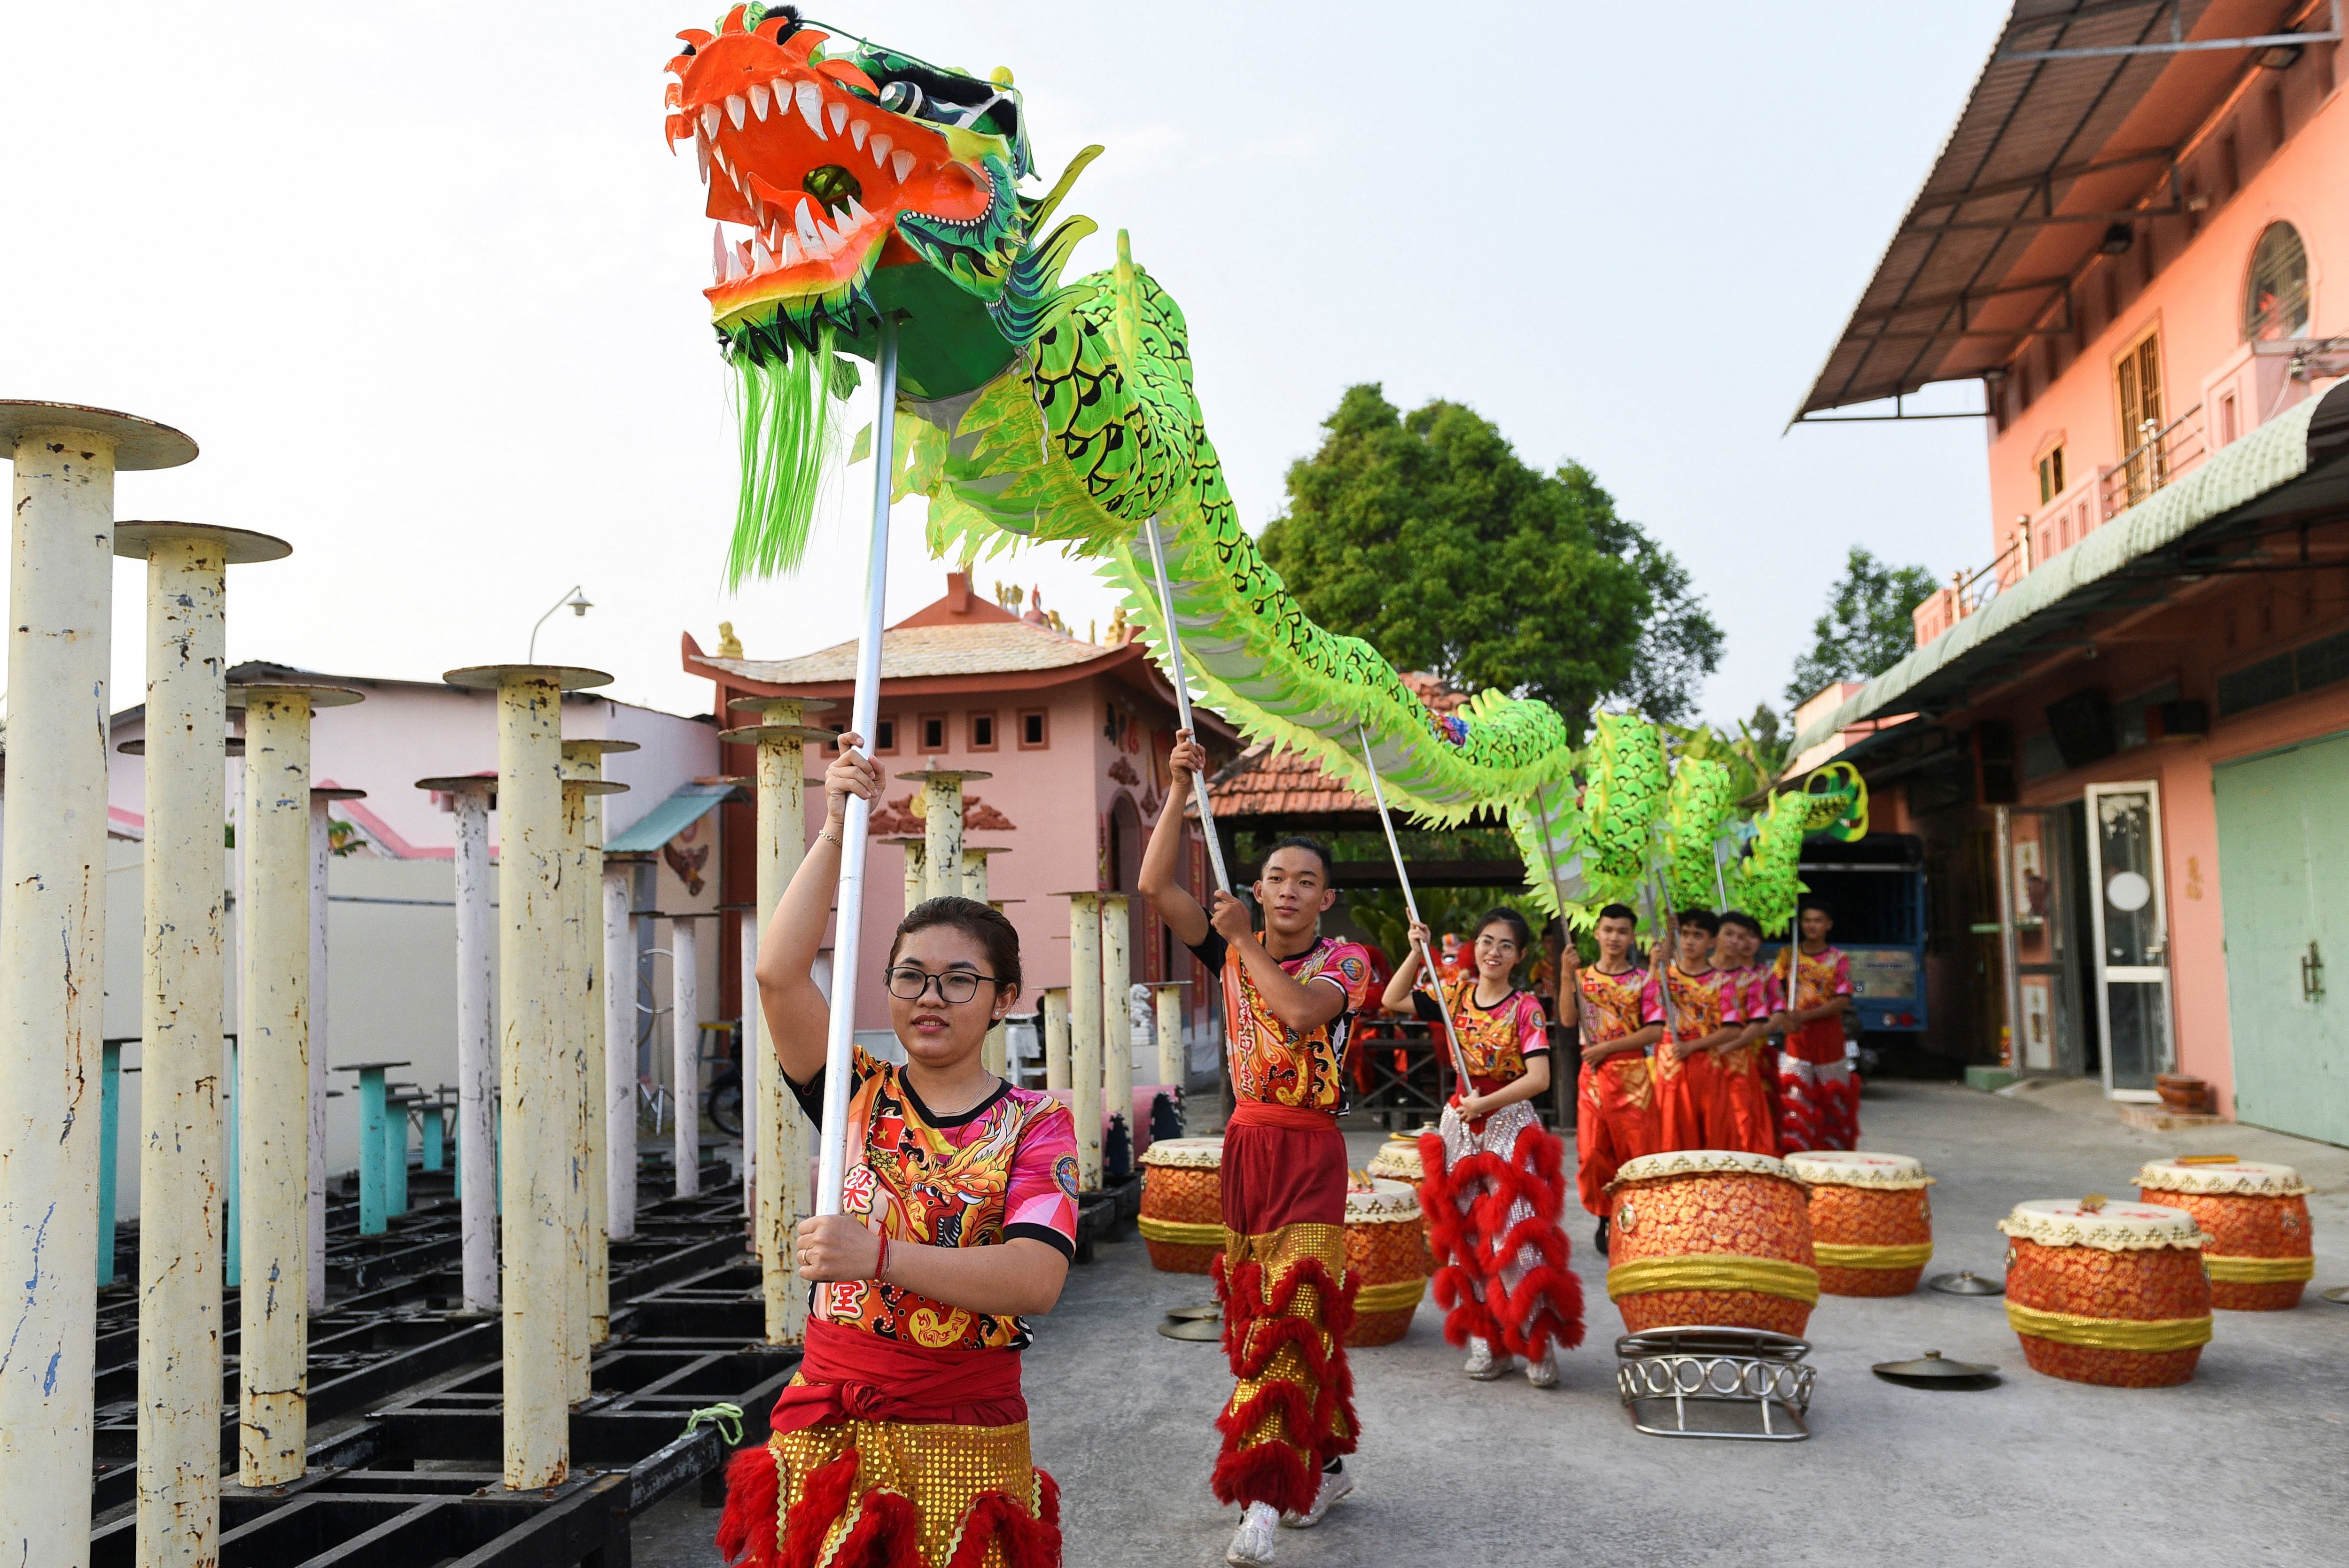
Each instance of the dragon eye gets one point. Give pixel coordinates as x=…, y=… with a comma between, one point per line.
x=902, y=98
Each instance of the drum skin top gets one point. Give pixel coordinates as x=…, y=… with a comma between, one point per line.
x=1857, y=1168
x=2243, y=1177
x=1700, y=1162
x=1192, y=1154
x=1380, y=1202
x=2115, y=1228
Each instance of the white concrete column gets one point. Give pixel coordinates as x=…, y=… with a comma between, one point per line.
x=322, y=857
x=1056, y=1036
x=1117, y=1015
x=1174, y=1062
x=52, y=951
x=537, y=1090
x=685, y=1052
x=994, y=1055
x=181, y=1025
x=470, y=797
x=274, y=1082
x=619, y=1055
x=778, y=1130
x=1085, y=1032
x=942, y=827
x=917, y=874
x=584, y=871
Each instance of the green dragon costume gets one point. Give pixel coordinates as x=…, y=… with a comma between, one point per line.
x=1029, y=409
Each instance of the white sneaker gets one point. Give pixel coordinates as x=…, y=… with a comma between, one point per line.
x=1252, y=1543
x=1482, y=1365
x=1543, y=1374
x=1335, y=1484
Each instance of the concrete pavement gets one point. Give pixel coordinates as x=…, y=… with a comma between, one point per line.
x=2248, y=1464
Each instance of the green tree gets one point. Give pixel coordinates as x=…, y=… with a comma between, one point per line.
x=1426, y=535
x=1866, y=628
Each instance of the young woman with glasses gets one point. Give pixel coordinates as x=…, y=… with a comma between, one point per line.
x=903, y=1436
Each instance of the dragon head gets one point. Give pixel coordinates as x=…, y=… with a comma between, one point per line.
x=857, y=181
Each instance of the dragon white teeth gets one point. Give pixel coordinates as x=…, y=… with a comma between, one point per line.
x=839, y=118
x=710, y=119
x=810, y=98
x=701, y=154
x=858, y=216
x=828, y=234
x=858, y=132
x=762, y=260
x=880, y=149
x=787, y=252
x=901, y=162
x=758, y=97
x=803, y=220
x=735, y=271
x=717, y=252
x=736, y=109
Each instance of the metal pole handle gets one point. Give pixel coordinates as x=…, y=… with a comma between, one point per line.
x=1183, y=699
x=1410, y=903
x=839, y=1045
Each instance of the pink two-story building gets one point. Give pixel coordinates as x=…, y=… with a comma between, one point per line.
x=2125, y=738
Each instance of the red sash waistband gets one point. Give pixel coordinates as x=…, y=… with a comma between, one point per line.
x=850, y=1373
x=1298, y=1118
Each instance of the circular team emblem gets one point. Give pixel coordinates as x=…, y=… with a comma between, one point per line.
x=1064, y=1171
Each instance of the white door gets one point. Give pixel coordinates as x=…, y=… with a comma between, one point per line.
x=2132, y=929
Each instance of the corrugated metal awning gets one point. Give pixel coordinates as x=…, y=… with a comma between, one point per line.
x=2045, y=157
x=689, y=805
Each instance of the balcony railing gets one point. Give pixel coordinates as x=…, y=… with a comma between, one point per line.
x=2163, y=453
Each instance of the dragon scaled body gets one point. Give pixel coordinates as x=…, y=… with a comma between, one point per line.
x=874, y=183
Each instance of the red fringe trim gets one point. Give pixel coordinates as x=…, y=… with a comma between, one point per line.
x=747, y=1529
x=822, y=1499
x=1547, y=1306
x=1319, y=1419
x=1028, y=1540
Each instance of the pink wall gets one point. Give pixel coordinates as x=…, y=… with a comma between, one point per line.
x=2195, y=298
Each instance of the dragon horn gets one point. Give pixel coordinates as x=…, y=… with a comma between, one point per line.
x=1129, y=306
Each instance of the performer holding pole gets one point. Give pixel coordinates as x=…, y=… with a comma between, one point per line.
x=1290, y=996
x=1615, y=1102
x=1496, y=1182
x=1741, y=1116
x=946, y=1211
x=1819, y=1093
x=1702, y=1013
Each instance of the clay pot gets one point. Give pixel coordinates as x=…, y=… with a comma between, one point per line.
x=2183, y=1093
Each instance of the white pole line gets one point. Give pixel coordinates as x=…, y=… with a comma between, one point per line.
x=839, y=1055
x=1183, y=697
x=1410, y=905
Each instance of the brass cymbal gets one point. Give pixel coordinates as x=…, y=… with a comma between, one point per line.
x=1965, y=1282
x=1933, y=1370
x=1201, y=1329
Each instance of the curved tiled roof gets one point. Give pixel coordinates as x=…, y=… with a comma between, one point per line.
x=913, y=653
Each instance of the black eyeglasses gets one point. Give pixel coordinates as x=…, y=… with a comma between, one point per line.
x=956, y=987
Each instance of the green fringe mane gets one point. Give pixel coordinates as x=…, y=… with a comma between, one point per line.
x=784, y=404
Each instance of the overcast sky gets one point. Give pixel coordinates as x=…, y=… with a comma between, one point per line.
x=423, y=282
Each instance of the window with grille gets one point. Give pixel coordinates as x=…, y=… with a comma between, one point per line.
x=2275, y=296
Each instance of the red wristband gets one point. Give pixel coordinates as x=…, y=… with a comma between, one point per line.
x=881, y=1264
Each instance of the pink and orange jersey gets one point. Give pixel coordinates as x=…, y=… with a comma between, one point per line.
x=1614, y=1006
x=1004, y=1170
x=1270, y=1061
x=1497, y=1041
x=1702, y=1002
x=1825, y=975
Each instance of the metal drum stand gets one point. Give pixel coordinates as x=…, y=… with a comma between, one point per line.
x=1743, y=1383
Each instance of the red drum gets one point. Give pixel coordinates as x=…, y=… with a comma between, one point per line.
x=2107, y=1292
x=2262, y=1253
x=1386, y=1253
x=1710, y=1238
x=1871, y=1223
x=1182, y=1220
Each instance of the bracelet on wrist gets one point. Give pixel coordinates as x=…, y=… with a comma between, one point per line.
x=881, y=1264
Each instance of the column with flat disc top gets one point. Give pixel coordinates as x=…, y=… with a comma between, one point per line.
x=471, y=799
x=323, y=801
x=778, y=1130
x=538, y=1093
x=994, y=1055
x=52, y=949
x=273, y=1078
x=942, y=810
x=584, y=788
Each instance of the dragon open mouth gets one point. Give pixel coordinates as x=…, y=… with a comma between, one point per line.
x=811, y=165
